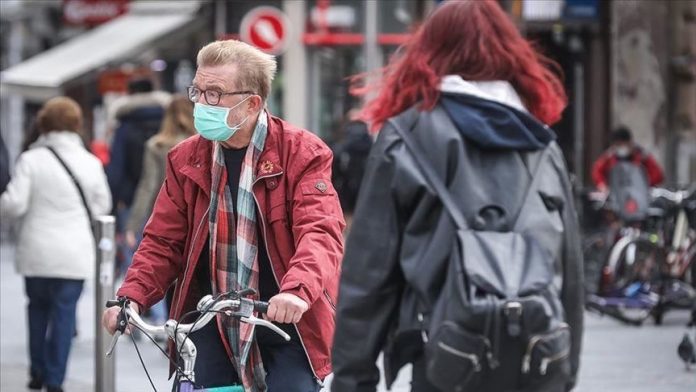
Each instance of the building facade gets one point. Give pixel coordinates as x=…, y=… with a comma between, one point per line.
x=628, y=62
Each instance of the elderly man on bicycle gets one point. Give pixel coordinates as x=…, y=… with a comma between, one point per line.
x=247, y=203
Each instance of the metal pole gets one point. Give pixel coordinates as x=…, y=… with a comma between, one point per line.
x=220, y=18
x=371, y=49
x=295, y=71
x=104, y=377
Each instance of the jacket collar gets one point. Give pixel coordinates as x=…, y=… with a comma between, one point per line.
x=58, y=139
x=198, y=166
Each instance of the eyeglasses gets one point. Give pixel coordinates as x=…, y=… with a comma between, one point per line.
x=212, y=97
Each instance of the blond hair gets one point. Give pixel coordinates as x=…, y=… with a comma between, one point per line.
x=60, y=114
x=255, y=69
x=177, y=122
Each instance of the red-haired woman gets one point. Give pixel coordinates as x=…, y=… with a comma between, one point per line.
x=475, y=97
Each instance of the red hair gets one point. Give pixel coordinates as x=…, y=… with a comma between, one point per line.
x=471, y=38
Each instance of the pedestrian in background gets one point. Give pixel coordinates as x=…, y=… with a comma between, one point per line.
x=139, y=117
x=624, y=149
x=474, y=96
x=55, y=249
x=350, y=157
x=624, y=175
x=177, y=125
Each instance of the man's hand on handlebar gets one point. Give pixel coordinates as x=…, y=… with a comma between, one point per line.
x=286, y=308
x=110, y=317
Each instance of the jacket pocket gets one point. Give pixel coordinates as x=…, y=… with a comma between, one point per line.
x=547, y=356
x=455, y=358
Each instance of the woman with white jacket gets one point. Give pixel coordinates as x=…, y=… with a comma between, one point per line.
x=55, y=249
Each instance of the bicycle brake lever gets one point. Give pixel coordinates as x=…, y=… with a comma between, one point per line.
x=264, y=323
x=112, y=345
x=121, y=324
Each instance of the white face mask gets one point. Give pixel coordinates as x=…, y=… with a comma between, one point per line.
x=211, y=121
x=623, y=151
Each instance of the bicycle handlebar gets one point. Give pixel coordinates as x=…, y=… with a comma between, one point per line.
x=676, y=197
x=242, y=308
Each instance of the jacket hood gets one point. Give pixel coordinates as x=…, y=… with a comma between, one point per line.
x=491, y=115
x=142, y=104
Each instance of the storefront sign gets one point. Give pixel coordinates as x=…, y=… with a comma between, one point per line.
x=92, y=12
x=116, y=80
x=267, y=28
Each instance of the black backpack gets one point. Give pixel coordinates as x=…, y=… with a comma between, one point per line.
x=498, y=323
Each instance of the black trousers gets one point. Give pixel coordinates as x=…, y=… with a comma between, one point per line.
x=285, y=363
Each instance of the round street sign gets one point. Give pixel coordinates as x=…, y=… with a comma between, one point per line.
x=267, y=28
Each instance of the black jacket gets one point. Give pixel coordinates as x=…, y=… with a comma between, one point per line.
x=136, y=126
x=401, y=237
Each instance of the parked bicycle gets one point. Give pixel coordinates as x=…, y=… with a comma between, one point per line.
x=231, y=304
x=678, y=271
x=645, y=267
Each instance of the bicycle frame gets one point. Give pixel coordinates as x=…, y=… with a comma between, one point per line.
x=683, y=247
x=187, y=386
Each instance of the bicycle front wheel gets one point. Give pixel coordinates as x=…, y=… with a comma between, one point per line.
x=640, y=260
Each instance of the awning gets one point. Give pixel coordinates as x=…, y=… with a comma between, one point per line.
x=44, y=75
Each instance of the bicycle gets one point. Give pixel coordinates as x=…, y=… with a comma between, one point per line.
x=678, y=272
x=231, y=304
x=642, y=276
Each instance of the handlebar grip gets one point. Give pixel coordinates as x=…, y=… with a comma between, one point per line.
x=113, y=302
x=261, y=306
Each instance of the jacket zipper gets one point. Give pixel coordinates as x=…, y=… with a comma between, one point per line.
x=527, y=360
x=188, y=258
x=471, y=357
x=275, y=277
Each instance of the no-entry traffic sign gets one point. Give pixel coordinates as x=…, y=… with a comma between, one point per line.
x=267, y=28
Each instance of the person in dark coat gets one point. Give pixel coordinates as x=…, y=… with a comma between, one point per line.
x=139, y=116
x=476, y=98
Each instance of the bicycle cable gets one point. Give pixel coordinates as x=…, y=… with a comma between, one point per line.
x=179, y=349
x=143, y=362
x=176, y=365
x=215, y=300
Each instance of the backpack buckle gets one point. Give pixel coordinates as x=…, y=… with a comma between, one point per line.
x=513, y=314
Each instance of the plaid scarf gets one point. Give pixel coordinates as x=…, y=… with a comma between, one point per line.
x=233, y=251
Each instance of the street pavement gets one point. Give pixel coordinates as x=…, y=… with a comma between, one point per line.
x=616, y=358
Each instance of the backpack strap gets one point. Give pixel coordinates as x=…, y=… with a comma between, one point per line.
x=432, y=178
x=77, y=185
x=443, y=193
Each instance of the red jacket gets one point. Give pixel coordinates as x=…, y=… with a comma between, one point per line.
x=602, y=167
x=302, y=224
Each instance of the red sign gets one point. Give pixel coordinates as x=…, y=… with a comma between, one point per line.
x=116, y=80
x=92, y=12
x=267, y=28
